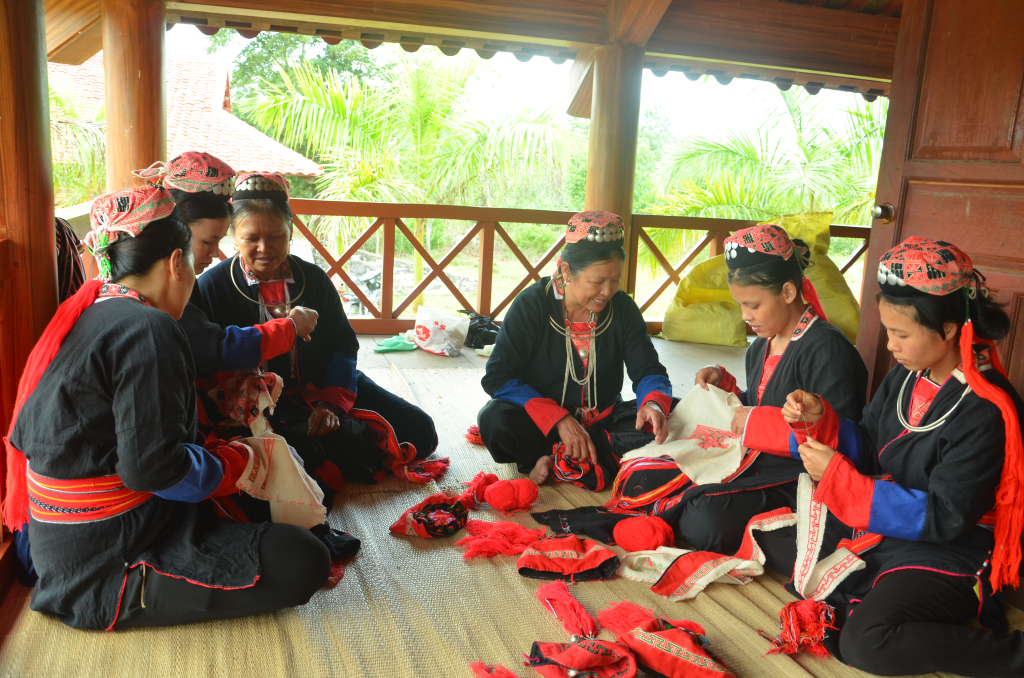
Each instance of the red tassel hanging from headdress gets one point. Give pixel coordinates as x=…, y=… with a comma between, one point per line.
x=804, y=626
x=811, y=297
x=1010, y=495
x=500, y=538
x=621, y=618
x=482, y=670
x=15, y=507
x=575, y=619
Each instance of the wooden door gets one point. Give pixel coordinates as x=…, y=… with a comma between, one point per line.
x=953, y=162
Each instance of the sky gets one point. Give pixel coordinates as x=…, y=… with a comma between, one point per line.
x=703, y=108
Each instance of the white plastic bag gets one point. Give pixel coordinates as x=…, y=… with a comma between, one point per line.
x=440, y=332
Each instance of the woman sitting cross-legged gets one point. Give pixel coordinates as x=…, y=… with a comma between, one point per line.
x=340, y=421
x=933, y=473
x=555, y=375
x=106, y=420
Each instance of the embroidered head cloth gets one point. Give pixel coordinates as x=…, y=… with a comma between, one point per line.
x=566, y=556
x=249, y=186
x=124, y=213
x=768, y=248
x=201, y=173
x=439, y=515
x=595, y=227
x=921, y=266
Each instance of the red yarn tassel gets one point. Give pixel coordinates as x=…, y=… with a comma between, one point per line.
x=15, y=507
x=480, y=482
x=1010, y=495
x=804, y=626
x=482, y=670
x=473, y=435
x=621, y=618
x=505, y=538
x=575, y=619
x=811, y=297
x=337, y=573
x=425, y=471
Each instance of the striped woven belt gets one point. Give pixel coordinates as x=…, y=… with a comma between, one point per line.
x=84, y=500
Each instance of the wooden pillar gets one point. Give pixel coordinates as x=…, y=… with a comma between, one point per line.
x=28, y=260
x=133, y=67
x=614, y=124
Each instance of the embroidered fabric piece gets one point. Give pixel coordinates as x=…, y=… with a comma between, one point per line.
x=243, y=398
x=274, y=475
x=124, y=213
x=111, y=291
x=594, y=226
x=193, y=172
x=924, y=393
x=763, y=238
x=806, y=320
x=711, y=438
x=929, y=266
x=770, y=363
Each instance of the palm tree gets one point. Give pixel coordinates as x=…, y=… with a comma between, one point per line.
x=797, y=163
x=78, y=148
x=408, y=137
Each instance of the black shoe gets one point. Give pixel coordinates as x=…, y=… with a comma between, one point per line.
x=340, y=544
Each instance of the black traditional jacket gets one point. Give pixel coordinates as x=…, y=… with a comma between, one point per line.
x=118, y=400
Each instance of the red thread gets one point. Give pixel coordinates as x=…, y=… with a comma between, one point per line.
x=574, y=617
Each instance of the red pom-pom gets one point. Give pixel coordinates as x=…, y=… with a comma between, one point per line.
x=643, y=533
x=509, y=496
x=473, y=435
x=804, y=626
x=480, y=482
x=500, y=538
x=482, y=670
x=574, y=617
x=623, y=617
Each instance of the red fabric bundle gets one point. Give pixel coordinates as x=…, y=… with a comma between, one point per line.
x=643, y=533
x=480, y=482
x=473, y=435
x=15, y=507
x=509, y=496
x=588, y=657
x=624, y=617
x=805, y=623
x=500, y=538
x=574, y=617
x=400, y=457
x=482, y=670
x=566, y=556
x=439, y=515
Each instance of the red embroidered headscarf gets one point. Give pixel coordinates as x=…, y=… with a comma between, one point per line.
x=769, y=246
x=920, y=266
x=125, y=212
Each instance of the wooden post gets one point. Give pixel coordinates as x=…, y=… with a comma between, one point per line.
x=485, y=275
x=133, y=68
x=387, y=276
x=28, y=296
x=614, y=124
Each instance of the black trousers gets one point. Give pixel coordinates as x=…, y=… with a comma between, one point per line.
x=716, y=523
x=294, y=565
x=912, y=621
x=511, y=436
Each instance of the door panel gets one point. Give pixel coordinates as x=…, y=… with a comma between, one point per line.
x=951, y=166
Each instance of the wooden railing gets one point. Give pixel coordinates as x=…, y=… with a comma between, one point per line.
x=486, y=224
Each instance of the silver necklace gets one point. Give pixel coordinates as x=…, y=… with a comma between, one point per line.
x=935, y=424
x=587, y=383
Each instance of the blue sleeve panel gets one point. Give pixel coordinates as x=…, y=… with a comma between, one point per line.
x=897, y=511
x=848, y=442
x=242, y=348
x=517, y=392
x=341, y=372
x=203, y=477
x=653, y=382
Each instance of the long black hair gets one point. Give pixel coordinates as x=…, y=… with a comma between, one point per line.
x=193, y=207
x=158, y=240
x=579, y=255
x=932, y=312
x=776, y=272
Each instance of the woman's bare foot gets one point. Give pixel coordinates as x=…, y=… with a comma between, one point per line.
x=542, y=470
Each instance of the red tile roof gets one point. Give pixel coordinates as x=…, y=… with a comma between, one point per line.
x=198, y=115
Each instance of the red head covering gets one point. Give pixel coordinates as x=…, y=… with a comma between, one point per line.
x=439, y=515
x=594, y=227
x=126, y=212
x=768, y=245
x=566, y=556
x=920, y=266
x=192, y=172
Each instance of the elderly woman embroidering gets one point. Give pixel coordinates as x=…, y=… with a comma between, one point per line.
x=555, y=375
x=340, y=422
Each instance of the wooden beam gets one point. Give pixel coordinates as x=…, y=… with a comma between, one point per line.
x=581, y=84
x=133, y=67
x=634, y=21
x=556, y=22
x=779, y=35
x=73, y=32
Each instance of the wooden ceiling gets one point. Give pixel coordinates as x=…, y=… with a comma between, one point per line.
x=790, y=42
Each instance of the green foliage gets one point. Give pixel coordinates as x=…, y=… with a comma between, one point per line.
x=78, y=148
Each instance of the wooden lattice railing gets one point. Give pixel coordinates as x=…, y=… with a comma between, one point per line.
x=486, y=224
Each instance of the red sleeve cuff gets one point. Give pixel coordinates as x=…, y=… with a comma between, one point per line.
x=767, y=431
x=663, y=401
x=846, y=492
x=278, y=337
x=545, y=413
x=728, y=382
x=234, y=459
x=825, y=430
x=337, y=396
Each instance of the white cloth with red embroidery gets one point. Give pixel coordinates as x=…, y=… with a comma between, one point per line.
x=700, y=438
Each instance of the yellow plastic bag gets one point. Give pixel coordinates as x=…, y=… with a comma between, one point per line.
x=840, y=305
x=703, y=311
